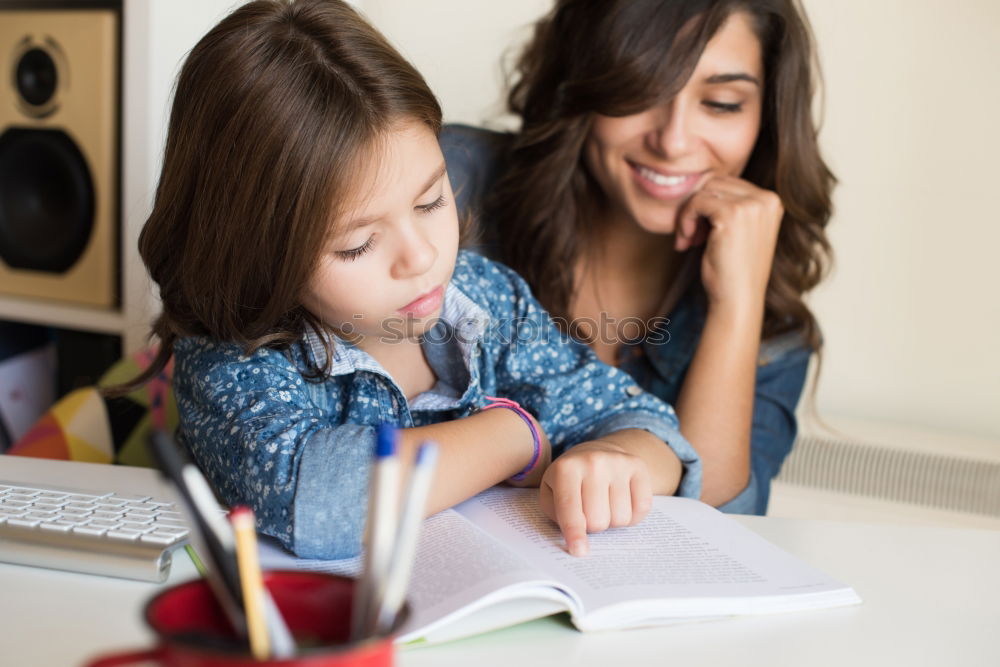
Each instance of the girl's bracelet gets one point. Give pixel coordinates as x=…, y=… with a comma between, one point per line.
x=523, y=414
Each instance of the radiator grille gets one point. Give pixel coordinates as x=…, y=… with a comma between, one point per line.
x=889, y=473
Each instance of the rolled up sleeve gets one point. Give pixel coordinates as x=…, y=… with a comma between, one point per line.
x=690, y=485
x=331, y=492
x=780, y=379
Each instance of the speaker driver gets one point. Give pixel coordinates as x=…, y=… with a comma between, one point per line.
x=46, y=200
x=36, y=77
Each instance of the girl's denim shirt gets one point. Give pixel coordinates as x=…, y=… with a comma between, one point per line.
x=299, y=451
x=659, y=364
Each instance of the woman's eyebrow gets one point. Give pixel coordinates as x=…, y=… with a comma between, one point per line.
x=730, y=77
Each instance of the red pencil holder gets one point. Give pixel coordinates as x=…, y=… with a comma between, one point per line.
x=193, y=631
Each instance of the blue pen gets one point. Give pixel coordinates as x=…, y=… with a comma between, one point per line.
x=401, y=566
x=383, y=509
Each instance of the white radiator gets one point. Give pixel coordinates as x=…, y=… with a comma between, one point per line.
x=877, y=471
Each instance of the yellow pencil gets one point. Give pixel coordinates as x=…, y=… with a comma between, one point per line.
x=251, y=580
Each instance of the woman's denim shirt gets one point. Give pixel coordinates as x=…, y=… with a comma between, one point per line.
x=299, y=452
x=659, y=363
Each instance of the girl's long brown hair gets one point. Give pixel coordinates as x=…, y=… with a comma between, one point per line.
x=620, y=57
x=273, y=111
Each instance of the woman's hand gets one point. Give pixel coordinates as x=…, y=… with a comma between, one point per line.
x=594, y=486
x=739, y=223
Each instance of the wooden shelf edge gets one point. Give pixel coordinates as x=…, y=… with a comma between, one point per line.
x=62, y=315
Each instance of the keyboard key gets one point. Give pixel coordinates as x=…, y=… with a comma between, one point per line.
x=163, y=506
x=48, y=505
x=52, y=495
x=131, y=498
x=78, y=498
x=22, y=522
x=87, y=507
x=142, y=507
x=122, y=535
x=25, y=498
x=57, y=526
x=14, y=504
x=88, y=530
x=75, y=520
x=172, y=530
x=140, y=517
x=157, y=538
x=137, y=527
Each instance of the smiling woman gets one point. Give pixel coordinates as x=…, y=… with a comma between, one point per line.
x=667, y=172
x=649, y=164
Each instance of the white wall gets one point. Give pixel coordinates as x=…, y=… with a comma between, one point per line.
x=910, y=314
x=459, y=45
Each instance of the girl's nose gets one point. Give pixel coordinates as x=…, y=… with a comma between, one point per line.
x=416, y=254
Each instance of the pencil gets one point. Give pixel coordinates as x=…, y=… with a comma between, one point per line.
x=251, y=581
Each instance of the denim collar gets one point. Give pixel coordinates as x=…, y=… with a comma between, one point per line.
x=462, y=325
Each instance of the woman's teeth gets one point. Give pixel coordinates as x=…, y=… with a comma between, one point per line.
x=660, y=179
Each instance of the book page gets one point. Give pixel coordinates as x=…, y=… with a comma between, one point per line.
x=688, y=558
x=458, y=569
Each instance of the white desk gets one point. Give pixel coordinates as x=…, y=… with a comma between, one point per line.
x=932, y=597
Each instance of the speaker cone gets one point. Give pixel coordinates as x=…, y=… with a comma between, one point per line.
x=46, y=200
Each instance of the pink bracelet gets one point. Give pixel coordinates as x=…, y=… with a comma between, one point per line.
x=523, y=414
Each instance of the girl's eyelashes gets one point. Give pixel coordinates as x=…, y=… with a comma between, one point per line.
x=355, y=253
x=724, y=107
x=434, y=205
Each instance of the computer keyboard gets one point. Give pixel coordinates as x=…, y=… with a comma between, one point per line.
x=112, y=534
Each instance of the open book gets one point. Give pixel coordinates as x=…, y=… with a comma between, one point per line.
x=496, y=560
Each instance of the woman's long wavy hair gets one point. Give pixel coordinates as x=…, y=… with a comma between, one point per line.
x=275, y=109
x=620, y=57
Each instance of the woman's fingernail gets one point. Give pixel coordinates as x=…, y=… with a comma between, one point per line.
x=578, y=548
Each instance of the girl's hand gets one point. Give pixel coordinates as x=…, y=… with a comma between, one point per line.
x=739, y=224
x=594, y=486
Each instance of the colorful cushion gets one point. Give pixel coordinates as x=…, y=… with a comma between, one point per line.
x=84, y=425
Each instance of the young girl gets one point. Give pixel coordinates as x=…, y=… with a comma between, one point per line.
x=305, y=242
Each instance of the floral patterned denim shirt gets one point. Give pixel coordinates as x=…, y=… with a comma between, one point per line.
x=299, y=451
x=659, y=364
